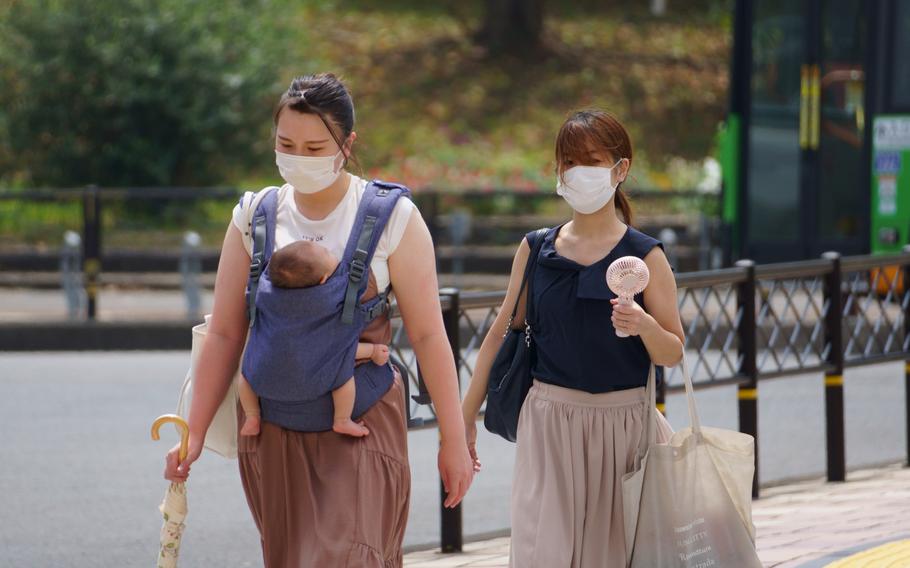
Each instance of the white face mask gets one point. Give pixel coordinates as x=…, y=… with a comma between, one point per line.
x=587, y=188
x=308, y=174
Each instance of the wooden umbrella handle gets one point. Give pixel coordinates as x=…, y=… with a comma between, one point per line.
x=184, y=431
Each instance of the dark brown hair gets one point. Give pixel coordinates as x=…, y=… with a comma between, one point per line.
x=324, y=95
x=594, y=130
x=295, y=266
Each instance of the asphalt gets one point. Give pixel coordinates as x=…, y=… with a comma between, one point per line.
x=81, y=479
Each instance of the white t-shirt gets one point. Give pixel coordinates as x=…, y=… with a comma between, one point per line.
x=333, y=231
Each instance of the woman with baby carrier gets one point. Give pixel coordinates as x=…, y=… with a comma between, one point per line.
x=580, y=424
x=325, y=490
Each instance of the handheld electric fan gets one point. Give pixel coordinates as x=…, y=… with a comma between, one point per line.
x=627, y=276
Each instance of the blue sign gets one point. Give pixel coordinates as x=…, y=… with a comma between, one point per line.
x=887, y=162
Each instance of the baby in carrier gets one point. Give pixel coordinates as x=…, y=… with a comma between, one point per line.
x=303, y=264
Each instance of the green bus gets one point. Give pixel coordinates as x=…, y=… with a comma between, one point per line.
x=816, y=147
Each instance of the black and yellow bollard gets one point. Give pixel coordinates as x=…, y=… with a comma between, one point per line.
x=747, y=394
x=834, y=426
x=451, y=535
x=834, y=375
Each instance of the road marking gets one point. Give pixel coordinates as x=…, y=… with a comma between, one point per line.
x=894, y=554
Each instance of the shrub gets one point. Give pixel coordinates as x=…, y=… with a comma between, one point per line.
x=135, y=92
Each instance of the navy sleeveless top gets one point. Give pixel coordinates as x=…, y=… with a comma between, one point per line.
x=576, y=344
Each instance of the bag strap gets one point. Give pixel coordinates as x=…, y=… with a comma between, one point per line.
x=690, y=396
x=535, y=241
x=650, y=435
x=376, y=206
x=529, y=300
x=262, y=209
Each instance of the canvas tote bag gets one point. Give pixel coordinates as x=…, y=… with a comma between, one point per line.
x=688, y=503
x=221, y=436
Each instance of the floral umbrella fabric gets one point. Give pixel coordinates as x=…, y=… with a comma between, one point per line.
x=173, y=508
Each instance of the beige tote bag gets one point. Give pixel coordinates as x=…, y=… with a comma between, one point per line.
x=221, y=436
x=688, y=503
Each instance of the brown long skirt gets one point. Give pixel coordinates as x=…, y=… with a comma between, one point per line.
x=573, y=450
x=326, y=500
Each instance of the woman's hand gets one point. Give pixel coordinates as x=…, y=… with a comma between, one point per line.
x=470, y=430
x=178, y=472
x=631, y=318
x=456, y=471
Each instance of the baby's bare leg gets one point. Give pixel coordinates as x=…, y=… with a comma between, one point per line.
x=250, y=403
x=343, y=397
x=378, y=352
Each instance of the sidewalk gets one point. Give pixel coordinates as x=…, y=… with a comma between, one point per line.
x=802, y=525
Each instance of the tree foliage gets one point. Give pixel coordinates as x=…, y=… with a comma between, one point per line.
x=134, y=92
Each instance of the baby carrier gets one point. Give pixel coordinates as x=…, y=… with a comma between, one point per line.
x=302, y=341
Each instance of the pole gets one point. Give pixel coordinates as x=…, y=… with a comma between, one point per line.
x=451, y=523
x=834, y=376
x=747, y=394
x=905, y=290
x=91, y=242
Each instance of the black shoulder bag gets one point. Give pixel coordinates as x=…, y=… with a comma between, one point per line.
x=510, y=375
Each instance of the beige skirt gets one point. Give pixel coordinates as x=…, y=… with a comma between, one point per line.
x=322, y=499
x=573, y=450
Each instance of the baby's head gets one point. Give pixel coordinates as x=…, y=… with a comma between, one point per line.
x=301, y=264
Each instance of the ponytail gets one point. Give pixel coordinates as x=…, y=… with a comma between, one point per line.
x=623, y=204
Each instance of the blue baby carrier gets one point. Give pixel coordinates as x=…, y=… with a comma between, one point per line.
x=302, y=341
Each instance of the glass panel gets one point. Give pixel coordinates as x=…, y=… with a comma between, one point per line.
x=778, y=51
x=900, y=86
x=842, y=178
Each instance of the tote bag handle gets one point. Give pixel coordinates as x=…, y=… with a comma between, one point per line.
x=650, y=413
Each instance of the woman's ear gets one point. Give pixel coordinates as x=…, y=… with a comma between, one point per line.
x=349, y=144
x=622, y=170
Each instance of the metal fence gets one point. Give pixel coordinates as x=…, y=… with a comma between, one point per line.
x=140, y=229
x=743, y=325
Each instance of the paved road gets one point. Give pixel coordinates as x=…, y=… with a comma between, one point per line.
x=858, y=524
x=81, y=479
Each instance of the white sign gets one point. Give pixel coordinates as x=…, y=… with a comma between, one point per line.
x=892, y=132
x=887, y=195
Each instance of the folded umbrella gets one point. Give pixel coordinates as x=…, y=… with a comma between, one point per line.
x=173, y=508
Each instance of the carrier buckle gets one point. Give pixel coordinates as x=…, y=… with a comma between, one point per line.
x=379, y=309
x=358, y=269
x=256, y=267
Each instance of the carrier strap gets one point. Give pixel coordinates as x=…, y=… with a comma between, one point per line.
x=376, y=207
x=263, y=206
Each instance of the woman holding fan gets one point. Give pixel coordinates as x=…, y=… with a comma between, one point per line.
x=581, y=422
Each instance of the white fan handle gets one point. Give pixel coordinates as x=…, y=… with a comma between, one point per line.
x=625, y=301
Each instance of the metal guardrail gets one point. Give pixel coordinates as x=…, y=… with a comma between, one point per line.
x=743, y=325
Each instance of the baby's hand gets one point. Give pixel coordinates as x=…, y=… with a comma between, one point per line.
x=380, y=354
